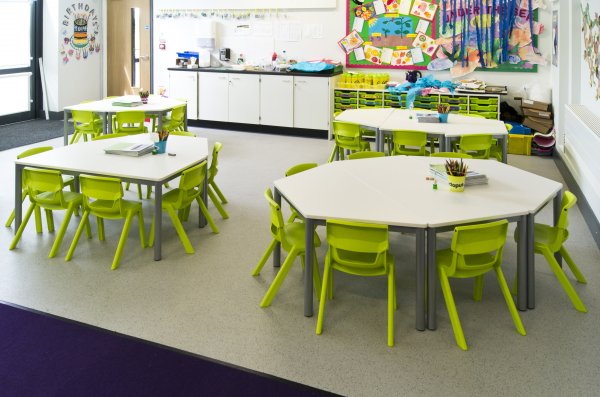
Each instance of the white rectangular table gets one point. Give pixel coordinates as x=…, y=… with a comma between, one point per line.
x=153, y=170
x=156, y=105
x=393, y=191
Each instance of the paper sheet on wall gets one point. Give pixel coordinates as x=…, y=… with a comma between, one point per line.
x=422, y=26
x=358, y=24
x=295, y=32
x=379, y=7
x=404, y=7
x=417, y=55
x=359, y=53
x=242, y=30
x=386, y=55
x=262, y=29
x=283, y=32
x=423, y=9
x=318, y=31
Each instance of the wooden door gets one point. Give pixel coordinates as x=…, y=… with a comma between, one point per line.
x=128, y=46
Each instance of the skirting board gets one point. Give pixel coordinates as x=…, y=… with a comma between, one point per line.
x=265, y=129
x=584, y=206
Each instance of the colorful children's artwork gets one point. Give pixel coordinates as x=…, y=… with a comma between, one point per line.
x=424, y=9
x=373, y=54
x=591, y=52
x=402, y=58
x=369, y=10
x=426, y=43
x=392, y=6
x=350, y=42
x=417, y=55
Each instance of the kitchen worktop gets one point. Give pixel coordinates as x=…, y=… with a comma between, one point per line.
x=327, y=73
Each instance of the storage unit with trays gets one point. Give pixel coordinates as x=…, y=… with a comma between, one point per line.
x=486, y=105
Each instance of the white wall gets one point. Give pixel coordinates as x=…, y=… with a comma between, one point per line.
x=179, y=35
x=77, y=80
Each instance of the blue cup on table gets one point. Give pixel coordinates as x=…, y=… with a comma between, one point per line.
x=443, y=117
x=161, y=146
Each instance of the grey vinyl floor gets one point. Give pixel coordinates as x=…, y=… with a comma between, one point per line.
x=207, y=303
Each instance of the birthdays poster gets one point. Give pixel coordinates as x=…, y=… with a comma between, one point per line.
x=393, y=33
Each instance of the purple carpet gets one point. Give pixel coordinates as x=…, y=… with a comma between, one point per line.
x=46, y=355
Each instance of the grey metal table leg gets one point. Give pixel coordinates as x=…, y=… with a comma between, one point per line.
x=309, y=226
x=159, y=123
x=104, y=123
x=157, y=221
x=66, y=126
x=557, y=203
x=442, y=141
x=431, y=279
x=504, y=141
x=109, y=123
x=379, y=140
x=18, y=196
x=420, y=281
x=447, y=143
x=530, y=262
x=277, y=249
x=522, y=273
x=185, y=118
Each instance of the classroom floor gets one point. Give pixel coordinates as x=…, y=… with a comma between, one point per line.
x=207, y=303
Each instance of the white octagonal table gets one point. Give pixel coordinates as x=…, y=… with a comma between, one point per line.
x=394, y=191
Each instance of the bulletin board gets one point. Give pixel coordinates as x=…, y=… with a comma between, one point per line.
x=392, y=33
x=456, y=35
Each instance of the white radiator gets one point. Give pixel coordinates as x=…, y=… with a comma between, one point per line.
x=582, y=152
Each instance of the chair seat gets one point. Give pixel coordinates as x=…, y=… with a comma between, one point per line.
x=104, y=208
x=295, y=236
x=479, y=264
x=69, y=197
x=545, y=236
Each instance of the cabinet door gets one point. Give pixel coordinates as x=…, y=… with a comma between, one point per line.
x=184, y=85
x=244, y=98
x=311, y=103
x=213, y=97
x=277, y=100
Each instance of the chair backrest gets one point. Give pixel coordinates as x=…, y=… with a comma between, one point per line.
x=190, y=184
x=32, y=151
x=130, y=122
x=347, y=135
x=83, y=117
x=44, y=186
x=452, y=155
x=562, y=225
x=410, y=143
x=471, y=243
x=357, y=248
x=103, y=196
x=364, y=155
x=214, y=163
x=300, y=168
x=477, y=145
x=178, y=113
x=109, y=136
x=277, y=223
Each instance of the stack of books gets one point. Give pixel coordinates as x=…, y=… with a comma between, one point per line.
x=124, y=101
x=130, y=149
x=473, y=178
x=428, y=118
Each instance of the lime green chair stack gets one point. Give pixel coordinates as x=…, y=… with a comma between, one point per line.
x=214, y=193
x=550, y=240
x=103, y=197
x=45, y=190
x=362, y=250
x=130, y=122
x=177, y=203
x=347, y=137
x=86, y=124
x=67, y=181
x=410, y=143
x=293, y=171
x=291, y=237
x=477, y=145
x=475, y=250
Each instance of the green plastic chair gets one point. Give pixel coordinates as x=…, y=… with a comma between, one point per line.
x=551, y=239
x=452, y=155
x=109, y=136
x=67, y=181
x=176, y=121
x=45, y=190
x=291, y=237
x=180, y=200
x=364, y=155
x=86, y=124
x=477, y=145
x=296, y=170
x=475, y=250
x=130, y=122
x=347, y=137
x=410, y=143
x=360, y=249
x=215, y=194
x=103, y=197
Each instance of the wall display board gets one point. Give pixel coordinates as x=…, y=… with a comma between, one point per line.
x=591, y=43
x=80, y=28
x=459, y=35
